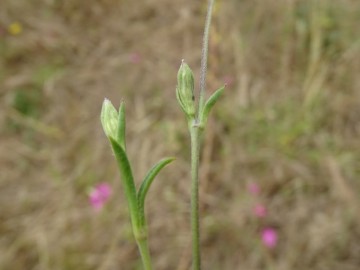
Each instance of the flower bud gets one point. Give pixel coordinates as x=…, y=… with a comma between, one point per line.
x=185, y=89
x=109, y=119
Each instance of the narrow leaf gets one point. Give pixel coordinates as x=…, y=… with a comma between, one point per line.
x=209, y=104
x=126, y=178
x=120, y=135
x=147, y=183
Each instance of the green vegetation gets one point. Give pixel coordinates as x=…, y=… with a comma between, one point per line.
x=289, y=122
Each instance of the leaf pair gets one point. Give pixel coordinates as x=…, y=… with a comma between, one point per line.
x=113, y=123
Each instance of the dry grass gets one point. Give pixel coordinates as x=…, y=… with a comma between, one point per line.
x=290, y=121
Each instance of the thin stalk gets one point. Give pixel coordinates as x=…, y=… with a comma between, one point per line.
x=145, y=253
x=204, y=55
x=195, y=133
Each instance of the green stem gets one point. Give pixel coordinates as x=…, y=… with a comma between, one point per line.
x=204, y=55
x=144, y=250
x=195, y=134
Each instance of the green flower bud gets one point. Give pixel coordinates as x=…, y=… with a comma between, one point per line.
x=109, y=119
x=185, y=90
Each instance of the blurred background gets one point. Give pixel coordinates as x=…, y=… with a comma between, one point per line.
x=281, y=158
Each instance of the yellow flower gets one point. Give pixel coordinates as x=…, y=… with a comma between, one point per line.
x=15, y=28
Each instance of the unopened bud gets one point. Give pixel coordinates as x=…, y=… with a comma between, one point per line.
x=185, y=89
x=109, y=119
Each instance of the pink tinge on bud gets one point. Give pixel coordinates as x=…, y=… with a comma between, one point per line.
x=254, y=188
x=260, y=210
x=269, y=237
x=99, y=195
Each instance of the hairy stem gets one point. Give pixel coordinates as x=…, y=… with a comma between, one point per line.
x=204, y=55
x=195, y=134
x=195, y=228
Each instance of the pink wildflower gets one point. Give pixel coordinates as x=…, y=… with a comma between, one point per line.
x=269, y=237
x=260, y=210
x=99, y=195
x=134, y=58
x=228, y=80
x=254, y=188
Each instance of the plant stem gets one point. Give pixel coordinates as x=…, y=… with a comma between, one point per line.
x=145, y=253
x=195, y=134
x=204, y=55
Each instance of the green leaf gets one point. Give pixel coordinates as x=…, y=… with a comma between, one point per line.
x=126, y=178
x=147, y=183
x=120, y=135
x=209, y=104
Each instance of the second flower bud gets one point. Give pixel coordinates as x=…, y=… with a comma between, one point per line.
x=185, y=90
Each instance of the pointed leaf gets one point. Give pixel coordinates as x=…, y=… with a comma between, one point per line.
x=126, y=178
x=120, y=135
x=209, y=104
x=147, y=183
